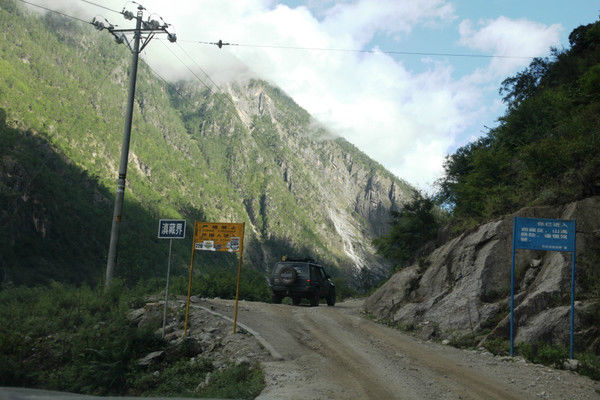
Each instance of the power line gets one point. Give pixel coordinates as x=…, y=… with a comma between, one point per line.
x=101, y=6
x=186, y=66
x=168, y=83
x=218, y=88
x=207, y=75
x=220, y=44
x=54, y=11
x=199, y=67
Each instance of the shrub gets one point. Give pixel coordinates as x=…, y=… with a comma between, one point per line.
x=543, y=353
x=589, y=365
x=497, y=346
x=79, y=340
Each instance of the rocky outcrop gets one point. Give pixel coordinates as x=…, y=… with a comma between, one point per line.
x=209, y=335
x=346, y=196
x=463, y=287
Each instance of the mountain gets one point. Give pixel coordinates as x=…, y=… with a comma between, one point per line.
x=245, y=153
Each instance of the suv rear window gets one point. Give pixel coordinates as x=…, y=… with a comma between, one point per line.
x=301, y=269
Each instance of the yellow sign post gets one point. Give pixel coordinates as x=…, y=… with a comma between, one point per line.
x=217, y=236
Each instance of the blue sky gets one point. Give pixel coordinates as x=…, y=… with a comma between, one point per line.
x=405, y=111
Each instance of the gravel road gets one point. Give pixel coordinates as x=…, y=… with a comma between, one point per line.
x=335, y=353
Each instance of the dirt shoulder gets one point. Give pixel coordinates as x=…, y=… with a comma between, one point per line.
x=335, y=353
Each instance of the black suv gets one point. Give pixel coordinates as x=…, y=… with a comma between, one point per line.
x=301, y=279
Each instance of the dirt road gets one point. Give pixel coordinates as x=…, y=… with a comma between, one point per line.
x=335, y=353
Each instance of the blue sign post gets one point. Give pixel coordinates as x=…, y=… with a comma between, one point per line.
x=543, y=234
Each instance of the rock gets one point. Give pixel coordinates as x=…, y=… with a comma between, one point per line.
x=205, y=382
x=445, y=342
x=184, y=347
x=135, y=315
x=150, y=358
x=173, y=336
x=551, y=324
x=571, y=365
x=152, y=316
x=465, y=284
x=242, y=360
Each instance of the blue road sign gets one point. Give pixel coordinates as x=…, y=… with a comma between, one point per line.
x=544, y=234
x=171, y=229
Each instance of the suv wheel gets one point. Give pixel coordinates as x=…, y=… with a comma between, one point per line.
x=331, y=297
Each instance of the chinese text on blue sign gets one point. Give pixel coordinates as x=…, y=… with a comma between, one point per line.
x=171, y=229
x=544, y=234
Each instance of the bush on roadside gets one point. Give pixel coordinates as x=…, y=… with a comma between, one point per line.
x=78, y=339
x=589, y=365
x=543, y=353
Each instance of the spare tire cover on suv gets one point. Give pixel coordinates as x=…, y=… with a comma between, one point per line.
x=287, y=275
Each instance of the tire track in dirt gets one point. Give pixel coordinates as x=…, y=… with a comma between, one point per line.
x=464, y=382
x=335, y=353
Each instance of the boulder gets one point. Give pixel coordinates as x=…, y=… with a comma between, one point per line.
x=150, y=358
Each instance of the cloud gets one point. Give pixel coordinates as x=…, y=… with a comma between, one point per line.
x=402, y=119
x=405, y=120
x=508, y=37
x=362, y=19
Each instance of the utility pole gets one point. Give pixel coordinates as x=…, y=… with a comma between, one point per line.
x=144, y=31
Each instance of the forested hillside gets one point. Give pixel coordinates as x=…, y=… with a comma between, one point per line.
x=546, y=148
x=242, y=152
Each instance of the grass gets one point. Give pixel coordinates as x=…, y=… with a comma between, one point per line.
x=78, y=339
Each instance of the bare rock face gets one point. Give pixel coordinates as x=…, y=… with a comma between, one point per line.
x=345, y=197
x=464, y=285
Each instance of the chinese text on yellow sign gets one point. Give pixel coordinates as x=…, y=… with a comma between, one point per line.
x=218, y=236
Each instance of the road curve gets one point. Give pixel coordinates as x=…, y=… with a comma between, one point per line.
x=334, y=353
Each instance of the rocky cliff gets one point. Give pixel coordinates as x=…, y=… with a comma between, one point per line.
x=463, y=287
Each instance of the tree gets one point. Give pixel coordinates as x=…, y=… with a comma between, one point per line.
x=411, y=228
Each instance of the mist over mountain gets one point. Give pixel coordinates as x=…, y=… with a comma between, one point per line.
x=244, y=153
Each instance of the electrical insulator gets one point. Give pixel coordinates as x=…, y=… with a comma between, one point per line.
x=154, y=24
x=97, y=24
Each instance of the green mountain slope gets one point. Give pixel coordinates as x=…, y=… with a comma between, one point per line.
x=249, y=154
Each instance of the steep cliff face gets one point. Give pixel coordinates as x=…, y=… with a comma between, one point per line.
x=346, y=196
x=463, y=287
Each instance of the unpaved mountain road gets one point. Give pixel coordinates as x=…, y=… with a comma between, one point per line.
x=335, y=353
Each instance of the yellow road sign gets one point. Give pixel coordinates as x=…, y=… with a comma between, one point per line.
x=218, y=236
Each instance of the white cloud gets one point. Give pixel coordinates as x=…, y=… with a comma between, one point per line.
x=508, y=37
x=405, y=120
x=363, y=18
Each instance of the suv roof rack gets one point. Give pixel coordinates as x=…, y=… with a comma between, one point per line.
x=306, y=259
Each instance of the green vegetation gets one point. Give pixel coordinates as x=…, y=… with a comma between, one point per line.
x=79, y=340
x=589, y=365
x=543, y=353
x=411, y=228
x=546, y=148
